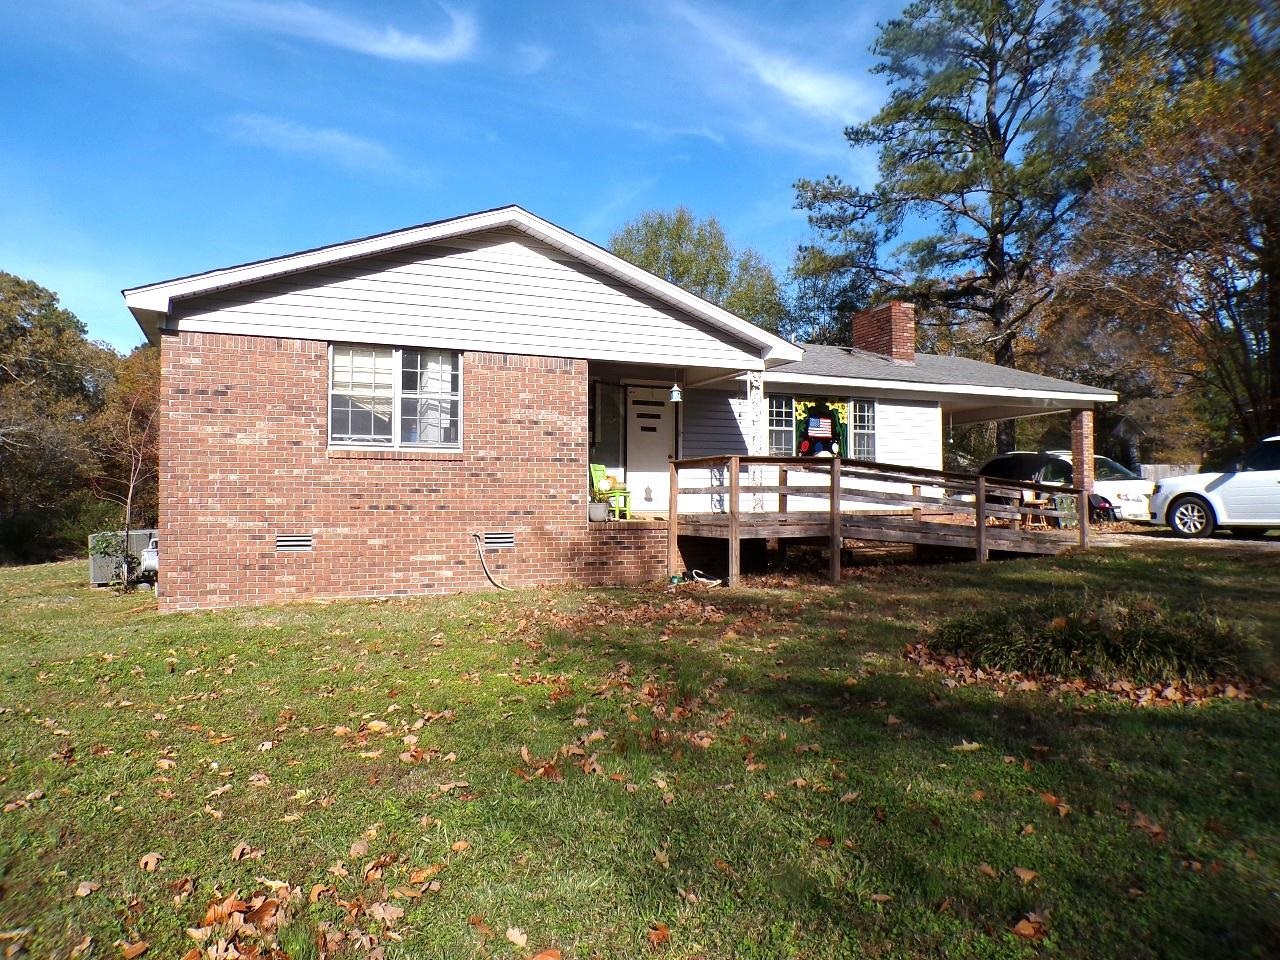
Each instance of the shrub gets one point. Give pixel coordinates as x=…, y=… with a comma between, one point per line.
x=1134, y=638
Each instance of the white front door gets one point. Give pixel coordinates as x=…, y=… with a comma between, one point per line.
x=651, y=443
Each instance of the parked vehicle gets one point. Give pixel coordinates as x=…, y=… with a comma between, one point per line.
x=150, y=558
x=1118, y=493
x=1128, y=492
x=1246, y=494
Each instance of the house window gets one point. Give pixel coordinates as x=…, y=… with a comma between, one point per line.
x=782, y=426
x=393, y=397
x=862, y=429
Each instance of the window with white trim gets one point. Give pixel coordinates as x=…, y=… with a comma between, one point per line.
x=862, y=429
x=395, y=397
x=782, y=426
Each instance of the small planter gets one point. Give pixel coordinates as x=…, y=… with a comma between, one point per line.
x=597, y=512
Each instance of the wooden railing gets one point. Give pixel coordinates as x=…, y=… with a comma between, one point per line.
x=841, y=488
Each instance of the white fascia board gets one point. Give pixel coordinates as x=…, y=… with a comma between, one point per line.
x=906, y=386
x=159, y=297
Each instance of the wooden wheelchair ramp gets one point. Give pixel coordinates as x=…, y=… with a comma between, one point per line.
x=829, y=501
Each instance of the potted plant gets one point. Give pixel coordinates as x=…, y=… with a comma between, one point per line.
x=598, y=508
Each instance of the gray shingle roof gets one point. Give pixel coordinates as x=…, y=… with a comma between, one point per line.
x=851, y=363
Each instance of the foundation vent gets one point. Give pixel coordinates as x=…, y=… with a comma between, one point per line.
x=294, y=542
x=494, y=540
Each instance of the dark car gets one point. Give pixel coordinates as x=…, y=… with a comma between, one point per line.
x=1046, y=468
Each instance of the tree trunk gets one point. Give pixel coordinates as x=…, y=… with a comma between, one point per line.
x=128, y=522
x=1006, y=430
x=1270, y=418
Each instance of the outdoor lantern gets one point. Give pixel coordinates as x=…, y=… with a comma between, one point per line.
x=676, y=394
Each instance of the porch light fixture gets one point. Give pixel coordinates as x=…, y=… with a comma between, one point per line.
x=676, y=394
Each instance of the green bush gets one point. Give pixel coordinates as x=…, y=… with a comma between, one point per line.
x=1134, y=638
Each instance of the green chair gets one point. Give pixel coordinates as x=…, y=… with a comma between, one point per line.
x=619, y=498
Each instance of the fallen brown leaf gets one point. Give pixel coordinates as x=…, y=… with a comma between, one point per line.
x=86, y=887
x=517, y=936
x=386, y=912
x=150, y=861
x=659, y=935
x=1031, y=927
x=425, y=873
x=242, y=851
x=1025, y=875
x=131, y=950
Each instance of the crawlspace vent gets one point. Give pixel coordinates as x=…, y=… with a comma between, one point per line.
x=294, y=542
x=494, y=540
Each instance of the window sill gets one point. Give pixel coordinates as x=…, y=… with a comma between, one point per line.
x=355, y=453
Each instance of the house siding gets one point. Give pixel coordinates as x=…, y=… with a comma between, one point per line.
x=715, y=424
x=499, y=291
x=909, y=433
x=245, y=457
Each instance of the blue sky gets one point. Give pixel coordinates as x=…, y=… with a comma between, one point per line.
x=147, y=139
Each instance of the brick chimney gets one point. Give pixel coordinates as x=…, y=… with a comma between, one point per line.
x=889, y=330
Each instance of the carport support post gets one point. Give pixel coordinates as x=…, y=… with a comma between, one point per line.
x=1082, y=449
x=1082, y=466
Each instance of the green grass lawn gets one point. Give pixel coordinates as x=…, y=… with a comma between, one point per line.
x=748, y=773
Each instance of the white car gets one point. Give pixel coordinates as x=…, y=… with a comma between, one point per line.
x=1246, y=494
x=1129, y=494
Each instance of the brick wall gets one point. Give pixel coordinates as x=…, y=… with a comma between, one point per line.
x=244, y=457
x=889, y=330
x=1082, y=449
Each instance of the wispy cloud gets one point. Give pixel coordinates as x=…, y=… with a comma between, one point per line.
x=825, y=94
x=323, y=143
x=660, y=132
x=611, y=210
x=307, y=22
x=532, y=57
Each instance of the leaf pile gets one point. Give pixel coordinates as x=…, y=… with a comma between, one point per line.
x=1101, y=640
x=959, y=671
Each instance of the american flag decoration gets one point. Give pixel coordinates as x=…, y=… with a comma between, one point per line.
x=820, y=428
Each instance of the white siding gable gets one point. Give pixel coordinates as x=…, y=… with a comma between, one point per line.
x=499, y=291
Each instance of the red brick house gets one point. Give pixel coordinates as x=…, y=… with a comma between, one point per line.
x=356, y=419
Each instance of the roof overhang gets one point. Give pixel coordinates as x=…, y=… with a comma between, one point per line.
x=151, y=304
x=1040, y=401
